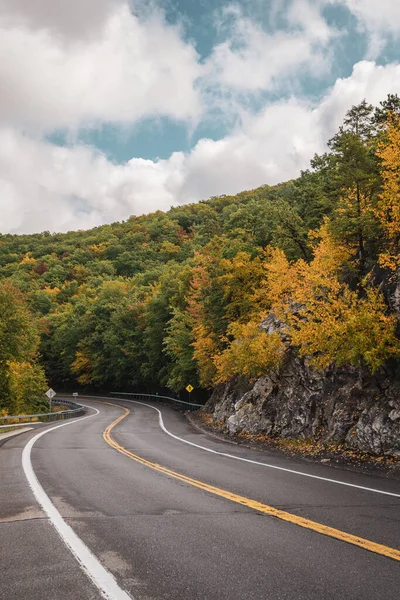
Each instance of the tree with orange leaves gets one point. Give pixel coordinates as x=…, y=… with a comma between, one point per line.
x=328, y=321
x=388, y=205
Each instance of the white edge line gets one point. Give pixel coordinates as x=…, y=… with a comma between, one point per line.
x=255, y=462
x=100, y=577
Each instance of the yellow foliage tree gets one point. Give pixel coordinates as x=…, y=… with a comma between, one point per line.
x=388, y=205
x=98, y=249
x=252, y=352
x=241, y=276
x=51, y=291
x=205, y=346
x=278, y=281
x=169, y=248
x=28, y=259
x=339, y=327
x=327, y=320
x=83, y=367
x=27, y=383
x=221, y=293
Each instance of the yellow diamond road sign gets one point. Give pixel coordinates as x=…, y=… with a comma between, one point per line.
x=189, y=388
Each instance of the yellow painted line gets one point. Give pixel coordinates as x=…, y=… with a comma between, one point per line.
x=254, y=504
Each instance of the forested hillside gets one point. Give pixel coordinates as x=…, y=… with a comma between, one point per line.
x=167, y=299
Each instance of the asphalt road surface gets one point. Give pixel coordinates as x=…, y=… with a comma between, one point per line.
x=138, y=512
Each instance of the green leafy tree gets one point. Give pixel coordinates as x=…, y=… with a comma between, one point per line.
x=21, y=379
x=352, y=171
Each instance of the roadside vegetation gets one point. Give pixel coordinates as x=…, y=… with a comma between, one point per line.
x=169, y=299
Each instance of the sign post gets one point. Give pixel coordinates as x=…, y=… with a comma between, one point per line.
x=50, y=394
x=189, y=388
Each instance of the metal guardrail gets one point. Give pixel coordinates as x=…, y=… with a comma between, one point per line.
x=17, y=425
x=190, y=405
x=74, y=410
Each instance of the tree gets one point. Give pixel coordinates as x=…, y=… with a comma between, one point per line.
x=387, y=208
x=21, y=378
x=326, y=320
x=166, y=298
x=352, y=170
x=289, y=231
x=388, y=109
x=360, y=121
x=178, y=344
x=251, y=352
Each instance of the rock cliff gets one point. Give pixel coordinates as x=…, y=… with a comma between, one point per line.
x=344, y=405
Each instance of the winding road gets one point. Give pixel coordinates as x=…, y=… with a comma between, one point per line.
x=132, y=502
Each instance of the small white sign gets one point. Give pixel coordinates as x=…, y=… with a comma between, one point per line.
x=75, y=394
x=50, y=393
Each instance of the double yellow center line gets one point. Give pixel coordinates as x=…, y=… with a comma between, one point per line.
x=253, y=504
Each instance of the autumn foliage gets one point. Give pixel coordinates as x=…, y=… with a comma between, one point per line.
x=387, y=209
x=220, y=289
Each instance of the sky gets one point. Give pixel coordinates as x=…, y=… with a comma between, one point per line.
x=113, y=108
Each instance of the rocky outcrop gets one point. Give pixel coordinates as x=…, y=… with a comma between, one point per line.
x=344, y=405
x=340, y=405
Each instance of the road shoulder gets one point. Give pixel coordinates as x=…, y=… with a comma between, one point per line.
x=304, y=450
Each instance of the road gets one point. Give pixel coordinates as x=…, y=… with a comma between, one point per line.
x=154, y=517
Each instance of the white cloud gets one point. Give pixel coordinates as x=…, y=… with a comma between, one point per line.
x=382, y=15
x=379, y=19
x=44, y=186
x=269, y=148
x=306, y=14
x=47, y=187
x=252, y=59
x=71, y=18
x=131, y=69
x=87, y=62
x=368, y=80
